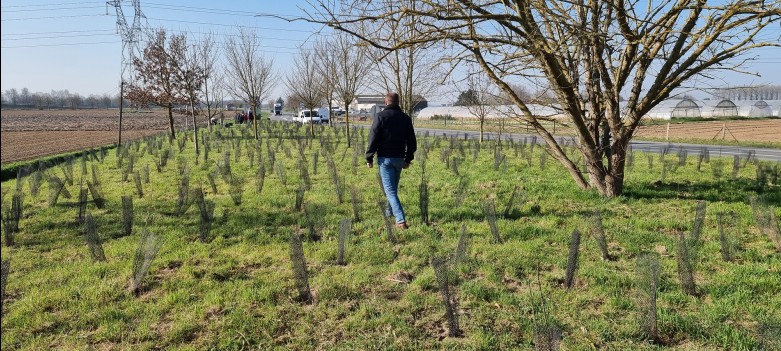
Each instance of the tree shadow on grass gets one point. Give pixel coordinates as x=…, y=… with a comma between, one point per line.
x=730, y=190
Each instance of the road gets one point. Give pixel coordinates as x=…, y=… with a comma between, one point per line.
x=765, y=154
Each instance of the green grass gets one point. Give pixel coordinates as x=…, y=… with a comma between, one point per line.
x=236, y=291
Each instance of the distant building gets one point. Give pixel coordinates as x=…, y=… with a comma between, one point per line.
x=369, y=103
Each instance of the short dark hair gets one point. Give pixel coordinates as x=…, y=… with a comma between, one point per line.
x=393, y=98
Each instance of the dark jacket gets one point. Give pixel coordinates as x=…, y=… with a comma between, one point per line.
x=392, y=135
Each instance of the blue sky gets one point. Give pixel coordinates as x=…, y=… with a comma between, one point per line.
x=65, y=44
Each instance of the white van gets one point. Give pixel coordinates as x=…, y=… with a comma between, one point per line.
x=325, y=115
x=304, y=117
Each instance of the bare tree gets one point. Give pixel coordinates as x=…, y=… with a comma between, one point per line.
x=213, y=88
x=762, y=92
x=482, y=99
x=251, y=75
x=25, y=97
x=411, y=71
x=75, y=101
x=292, y=101
x=12, y=96
x=93, y=101
x=588, y=53
x=156, y=72
x=105, y=100
x=352, y=61
x=328, y=71
x=191, y=76
x=304, y=83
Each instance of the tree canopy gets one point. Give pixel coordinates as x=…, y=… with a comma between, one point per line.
x=587, y=54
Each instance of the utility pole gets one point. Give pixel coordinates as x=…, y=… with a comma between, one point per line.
x=130, y=49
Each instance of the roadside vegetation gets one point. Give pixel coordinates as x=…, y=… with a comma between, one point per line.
x=281, y=243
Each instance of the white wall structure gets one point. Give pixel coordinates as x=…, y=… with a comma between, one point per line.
x=672, y=108
x=755, y=108
x=719, y=108
x=496, y=112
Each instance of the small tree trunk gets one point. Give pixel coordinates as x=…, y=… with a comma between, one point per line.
x=209, y=116
x=347, y=120
x=311, y=123
x=171, y=121
x=255, y=120
x=195, y=127
x=481, y=129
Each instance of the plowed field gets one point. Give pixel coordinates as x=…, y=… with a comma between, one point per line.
x=763, y=130
x=29, y=134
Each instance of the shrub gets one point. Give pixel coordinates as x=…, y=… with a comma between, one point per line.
x=446, y=117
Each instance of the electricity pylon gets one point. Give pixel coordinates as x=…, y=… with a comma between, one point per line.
x=130, y=48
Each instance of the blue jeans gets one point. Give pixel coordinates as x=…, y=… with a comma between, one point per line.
x=390, y=172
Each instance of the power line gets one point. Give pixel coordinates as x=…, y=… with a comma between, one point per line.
x=57, y=4
x=51, y=9
x=236, y=26
x=60, y=44
x=50, y=17
x=58, y=32
x=221, y=45
x=103, y=32
x=63, y=36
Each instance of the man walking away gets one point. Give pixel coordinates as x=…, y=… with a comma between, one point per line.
x=392, y=138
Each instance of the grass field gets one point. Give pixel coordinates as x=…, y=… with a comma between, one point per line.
x=237, y=290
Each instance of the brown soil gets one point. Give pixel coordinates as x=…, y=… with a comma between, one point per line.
x=765, y=130
x=29, y=134
x=19, y=146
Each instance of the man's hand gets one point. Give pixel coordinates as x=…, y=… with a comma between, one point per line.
x=369, y=164
x=406, y=165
